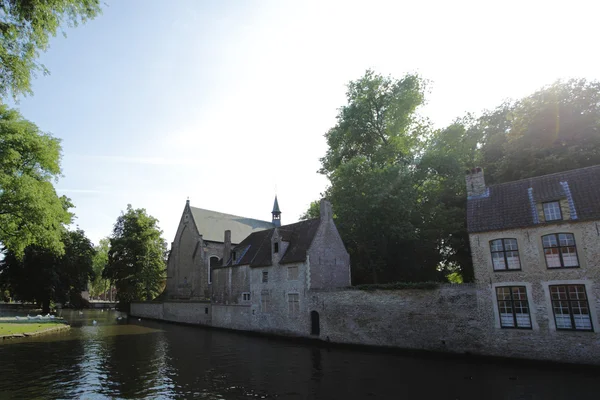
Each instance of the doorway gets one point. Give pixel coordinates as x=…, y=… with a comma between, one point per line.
x=315, y=327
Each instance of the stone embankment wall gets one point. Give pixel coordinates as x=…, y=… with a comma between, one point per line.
x=453, y=318
x=197, y=312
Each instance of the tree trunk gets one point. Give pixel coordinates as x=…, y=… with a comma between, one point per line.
x=45, y=306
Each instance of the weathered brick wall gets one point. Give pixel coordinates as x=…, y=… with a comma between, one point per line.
x=442, y=319
x=329, y=260
x=196, y=312
x=147, y=310
x=231, y=317
x=228, y=284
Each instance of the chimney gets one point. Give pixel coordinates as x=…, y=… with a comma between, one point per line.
x=326, y=212
x=227, y=247
x=475, y=182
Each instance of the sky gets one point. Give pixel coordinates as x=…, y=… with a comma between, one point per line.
x=227, y=102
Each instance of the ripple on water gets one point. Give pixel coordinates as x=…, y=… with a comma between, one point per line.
x=145, y=359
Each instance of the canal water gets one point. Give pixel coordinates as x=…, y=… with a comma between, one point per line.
x=133, y=359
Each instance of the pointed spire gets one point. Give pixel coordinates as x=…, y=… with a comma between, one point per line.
x=276, y=213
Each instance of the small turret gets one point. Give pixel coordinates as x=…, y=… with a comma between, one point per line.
x=276, y=213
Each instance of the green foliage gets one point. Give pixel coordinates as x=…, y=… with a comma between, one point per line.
x=137, y=257
x=99, y=285
x=25, y=29
x=374, y=190
x=398, y=286
x=43, y=276
x=314, y=211
x=555, y=129
x=30, y=210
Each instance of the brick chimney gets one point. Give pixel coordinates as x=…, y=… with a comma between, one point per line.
x=325, y=210
x=475, y=182
x=227, y=247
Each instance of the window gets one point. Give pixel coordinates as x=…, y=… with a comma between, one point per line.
x=513, y=307
x=293, y=303
x=265, y=299
x=293, y=273
x=265, y=276
x=276, y=247
x=560, y=250
x=505, y=254
x=552, y=211
x=233, y=257
x=245, y=296
x=571, y=308
x=205, y=310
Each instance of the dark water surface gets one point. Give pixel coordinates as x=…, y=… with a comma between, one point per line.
x=145, y=359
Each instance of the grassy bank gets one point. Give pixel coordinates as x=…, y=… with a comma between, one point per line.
x=27, y=329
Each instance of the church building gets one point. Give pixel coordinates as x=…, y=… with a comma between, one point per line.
x=220, y=257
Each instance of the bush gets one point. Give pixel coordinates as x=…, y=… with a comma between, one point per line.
x=398, y=286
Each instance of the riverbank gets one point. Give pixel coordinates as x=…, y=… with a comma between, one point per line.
x=11, y=330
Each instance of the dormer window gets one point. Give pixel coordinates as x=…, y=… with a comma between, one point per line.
x=233, y=257
x=552, y=211
x=276, y=247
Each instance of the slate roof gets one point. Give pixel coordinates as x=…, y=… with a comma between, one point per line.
x=513, y=204
x=212, y=225
x=255, y=250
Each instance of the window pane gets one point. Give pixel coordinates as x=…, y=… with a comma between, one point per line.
x=552, y=258
x=558, y=292
x=498, y=260
x=552, y=211
x=513, y=260
x=496, y=245
x=566, y=239
x=503, y=293
x=577, y=292
x=549, y=241
x=569, y=255
x=510, y=244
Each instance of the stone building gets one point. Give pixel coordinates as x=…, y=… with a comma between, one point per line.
x=232, y=260
x=199, y=245
x=536, y=254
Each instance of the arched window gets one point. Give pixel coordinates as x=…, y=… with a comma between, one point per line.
x=212, y=261
x=560, y=250
x=505, y=254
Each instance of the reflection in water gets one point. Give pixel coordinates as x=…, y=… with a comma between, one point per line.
x=133, y=359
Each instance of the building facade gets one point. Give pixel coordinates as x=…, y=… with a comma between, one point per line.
x=536, y=255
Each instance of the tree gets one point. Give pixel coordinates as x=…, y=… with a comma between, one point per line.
x=31, y=213
x=43, y=276
x=370, y=165
x=555, y=129
x=25, y=29
x=314, y=211
x=137, y=257
x=99, y=285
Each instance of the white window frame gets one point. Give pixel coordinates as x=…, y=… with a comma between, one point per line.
x=293, y=303
x=532, y=308
x=554, y=212
x=591, y=304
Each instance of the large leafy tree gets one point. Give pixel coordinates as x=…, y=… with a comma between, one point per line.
x=30, y=210
x=370, y=163
x=25, y=29
x=137, y=257
x=43, y=276
x=99, y=285
x=555, y=129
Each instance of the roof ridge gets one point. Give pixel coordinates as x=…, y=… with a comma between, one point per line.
x=547, y=175
x=229, y=215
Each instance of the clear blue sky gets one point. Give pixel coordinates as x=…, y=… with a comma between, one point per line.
x=224, y=101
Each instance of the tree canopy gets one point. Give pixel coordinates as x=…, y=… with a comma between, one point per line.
x=30, y=210
x=42, y=276
x=397, y=185
x=99, y=285
x=137, y=257
x=25, y=29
